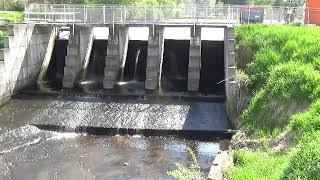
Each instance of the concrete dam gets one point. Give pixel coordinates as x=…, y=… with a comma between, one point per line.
x=159, y=65
x=154, y=88
x=193, y=77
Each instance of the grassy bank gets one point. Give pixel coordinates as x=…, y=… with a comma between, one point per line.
x=11, y=16
x=282, y=64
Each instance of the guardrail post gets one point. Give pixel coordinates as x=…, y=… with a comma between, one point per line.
x=228, y=14
x=112, y=20
x=125, y=13
x=145, y=13
x=64, y=14
x=206, y=12
x=45, y=13
x=153, y=14
x=74, y=15
x=249, y=15
x=104, y=14
x=26, y=13
x=271, y=15
x=308, y=15
x=84, y=14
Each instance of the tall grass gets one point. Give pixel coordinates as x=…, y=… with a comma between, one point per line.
x=282, y=63
x=283, y=66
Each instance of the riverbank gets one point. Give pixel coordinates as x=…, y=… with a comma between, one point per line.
x=278, y=103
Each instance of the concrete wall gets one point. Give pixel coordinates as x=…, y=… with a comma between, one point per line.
x=21, y=59
x=229, y=62
x=78, y=52
x=194, y=59
x=72, y=62
x=155, y=57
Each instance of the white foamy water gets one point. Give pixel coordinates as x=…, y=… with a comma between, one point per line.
x=59, y=136
x=35, y=141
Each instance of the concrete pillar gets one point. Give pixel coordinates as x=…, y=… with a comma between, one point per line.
x=194, y=59
x=155, y=57
x=72, y=62
x=116, y=54
x=229, y=62
x=85, y=33
x=47, y=57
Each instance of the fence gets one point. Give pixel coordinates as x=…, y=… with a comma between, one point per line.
x=106, y=14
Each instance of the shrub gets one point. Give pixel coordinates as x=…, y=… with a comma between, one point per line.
x=12, y=16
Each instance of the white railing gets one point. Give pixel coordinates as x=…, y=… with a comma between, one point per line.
x=106, y=14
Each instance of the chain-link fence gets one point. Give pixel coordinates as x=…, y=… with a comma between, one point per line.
x=106, y=14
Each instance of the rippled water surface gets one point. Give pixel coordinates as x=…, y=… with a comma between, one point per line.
x=27, y=152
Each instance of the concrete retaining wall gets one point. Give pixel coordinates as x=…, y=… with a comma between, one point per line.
x=21, y=58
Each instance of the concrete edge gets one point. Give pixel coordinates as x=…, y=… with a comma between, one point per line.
x=220, y=165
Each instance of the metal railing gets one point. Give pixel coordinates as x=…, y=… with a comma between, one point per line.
x=106, y=14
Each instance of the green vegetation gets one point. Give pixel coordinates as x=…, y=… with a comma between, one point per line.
x=2, y=35
x=283, y=67
x=11, y=16
x=282, y=63
x=192, y=172
x=258, y=165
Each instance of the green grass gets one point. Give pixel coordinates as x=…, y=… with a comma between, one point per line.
x=258, y=165
x=282, y=63
x=300, y=162
x=283, y=67
x=290, y=88
x=305, y=164
x=11, y=16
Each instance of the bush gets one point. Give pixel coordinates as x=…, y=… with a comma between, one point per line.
x=12, y=5
x=13, y=16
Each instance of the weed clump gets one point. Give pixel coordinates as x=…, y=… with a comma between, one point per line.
x=187, y=173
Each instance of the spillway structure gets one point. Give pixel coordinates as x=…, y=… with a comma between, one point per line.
x=155, y=64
